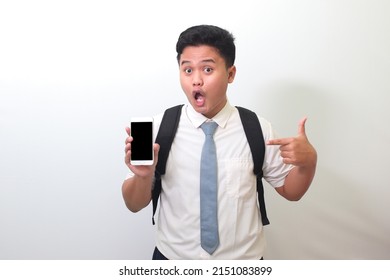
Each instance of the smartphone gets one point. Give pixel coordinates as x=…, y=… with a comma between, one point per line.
x=142, y=145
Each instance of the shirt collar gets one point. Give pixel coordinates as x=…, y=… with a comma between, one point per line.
x=198, y=119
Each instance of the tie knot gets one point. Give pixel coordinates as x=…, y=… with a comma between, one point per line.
x=209, y=127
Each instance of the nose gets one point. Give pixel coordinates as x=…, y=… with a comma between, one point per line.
x=197, y=79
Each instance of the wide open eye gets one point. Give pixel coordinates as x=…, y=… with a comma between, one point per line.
x=188, y=70
x=208, y=70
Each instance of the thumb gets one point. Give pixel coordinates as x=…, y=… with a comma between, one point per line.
x=301, y=126
x=156, y=148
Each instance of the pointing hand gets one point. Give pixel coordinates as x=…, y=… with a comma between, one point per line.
x=296, y=150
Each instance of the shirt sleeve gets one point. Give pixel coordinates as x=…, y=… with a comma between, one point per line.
x=274, y=170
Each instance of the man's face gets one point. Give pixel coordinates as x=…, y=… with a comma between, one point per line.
x=204, y=79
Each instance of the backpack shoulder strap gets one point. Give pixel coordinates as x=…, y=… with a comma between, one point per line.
x=165, y=135
x=255, y=138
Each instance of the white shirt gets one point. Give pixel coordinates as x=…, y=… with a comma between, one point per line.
x=240, y=226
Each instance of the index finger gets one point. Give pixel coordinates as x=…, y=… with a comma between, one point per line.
x=280, y=141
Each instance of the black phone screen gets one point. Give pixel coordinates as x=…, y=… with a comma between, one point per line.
x=142, y=145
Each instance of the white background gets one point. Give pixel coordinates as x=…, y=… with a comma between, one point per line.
x=72, y=73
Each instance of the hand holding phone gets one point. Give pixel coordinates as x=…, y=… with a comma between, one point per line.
x=142, y=144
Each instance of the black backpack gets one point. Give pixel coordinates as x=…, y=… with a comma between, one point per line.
x=253, y=134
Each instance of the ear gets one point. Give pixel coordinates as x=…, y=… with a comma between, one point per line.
x=231, y=74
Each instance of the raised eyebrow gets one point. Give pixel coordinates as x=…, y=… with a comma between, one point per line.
x=210, y=60
x=185, y=62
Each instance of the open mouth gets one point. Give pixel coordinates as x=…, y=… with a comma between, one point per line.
x=199, y=98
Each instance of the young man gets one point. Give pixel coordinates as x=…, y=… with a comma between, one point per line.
x=206, y=57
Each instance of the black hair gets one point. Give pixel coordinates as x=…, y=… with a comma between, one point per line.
x=209, y=35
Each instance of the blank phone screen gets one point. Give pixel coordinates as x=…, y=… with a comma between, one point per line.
x=142, y=145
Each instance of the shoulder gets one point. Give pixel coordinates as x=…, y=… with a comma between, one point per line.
x=157, y=119
x=266, y=126
x=171, y=110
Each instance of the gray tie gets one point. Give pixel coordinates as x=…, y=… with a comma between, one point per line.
x=208, y=191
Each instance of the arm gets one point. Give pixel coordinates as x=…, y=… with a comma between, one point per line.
x=137, y=190
x=299, y=152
